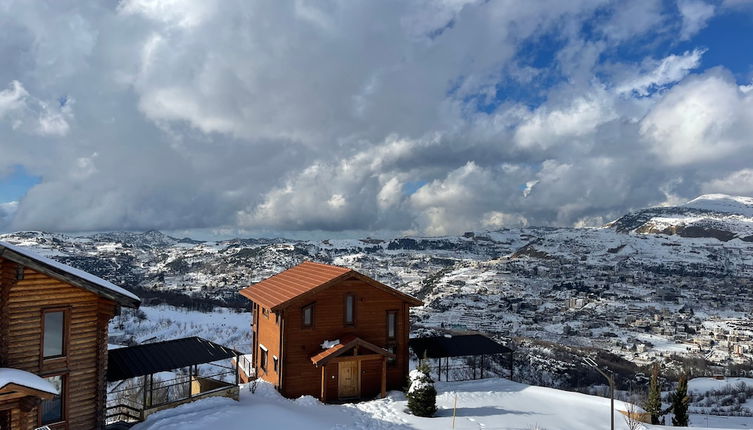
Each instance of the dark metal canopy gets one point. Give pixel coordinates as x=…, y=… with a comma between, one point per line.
x=140, y=360
x=456, y=346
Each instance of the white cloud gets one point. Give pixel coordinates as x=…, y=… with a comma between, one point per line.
x=29, y=114
x=695, y=15
x=706, y=118
x=669, y=70
x=548, y=126
x=736, y=183
x=7, y=210
x=305, y=115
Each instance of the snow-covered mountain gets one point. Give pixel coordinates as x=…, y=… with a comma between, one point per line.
x=646, y=287
x=712, y=215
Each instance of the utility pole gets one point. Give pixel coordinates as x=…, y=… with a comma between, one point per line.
x=591, y=363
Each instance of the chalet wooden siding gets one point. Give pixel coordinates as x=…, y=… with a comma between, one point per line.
x=372, y=304
x=267, y=333
x=305, y=369
x=85, y=336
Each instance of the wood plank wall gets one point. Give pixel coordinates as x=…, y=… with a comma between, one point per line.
x=85, y=364
x=301, y=377
x=267, y=333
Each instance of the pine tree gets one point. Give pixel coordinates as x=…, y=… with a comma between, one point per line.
x=422, y=396
x=680, y=401
x=652, y=404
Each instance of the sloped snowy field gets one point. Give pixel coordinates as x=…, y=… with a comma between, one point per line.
x=487, y=404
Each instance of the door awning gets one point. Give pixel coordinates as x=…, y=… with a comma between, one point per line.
x=346, y=344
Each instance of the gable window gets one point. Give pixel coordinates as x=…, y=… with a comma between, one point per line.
x=51, y=411
x=53, y=340
x=263, y=353
x=391, y=325
x=350, y=309
x=307, y=315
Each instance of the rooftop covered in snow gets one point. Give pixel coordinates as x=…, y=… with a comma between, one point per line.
x=69, y=274
x=18, y=383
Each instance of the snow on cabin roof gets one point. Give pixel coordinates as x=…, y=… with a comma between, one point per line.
x=24, y=379
x=277, y=291
x=74, y=276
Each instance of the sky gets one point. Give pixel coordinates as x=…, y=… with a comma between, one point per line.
x=237, y=117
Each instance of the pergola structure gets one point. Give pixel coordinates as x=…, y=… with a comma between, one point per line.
x=135, y=403
x=469, y=345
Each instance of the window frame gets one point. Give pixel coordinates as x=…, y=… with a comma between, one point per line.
x=352, y=322
x=311, y=307
x=263, y=357
x=63, y=395
x=387, y=325
x=65, y=335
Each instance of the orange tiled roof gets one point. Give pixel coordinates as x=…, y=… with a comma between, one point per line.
x=275, y=292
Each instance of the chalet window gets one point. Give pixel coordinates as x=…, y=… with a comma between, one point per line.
x=53, y=343
x=307, y=315
x=391, y=325
x=350, y=309
x=276, y=363
x=51, y=411
x=263, y=353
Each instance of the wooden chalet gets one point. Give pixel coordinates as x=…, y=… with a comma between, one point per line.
x=53, y=342
x=329, y=332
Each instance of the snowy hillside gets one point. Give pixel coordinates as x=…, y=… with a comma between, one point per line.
x=634, y=296
x=484, y=404
x=723, y=203
x=716, y=216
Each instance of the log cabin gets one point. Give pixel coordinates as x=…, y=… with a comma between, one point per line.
x=329, y=332
x=53, y=342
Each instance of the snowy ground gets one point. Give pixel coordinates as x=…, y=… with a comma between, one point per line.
x=487, y=404
x=223, y=326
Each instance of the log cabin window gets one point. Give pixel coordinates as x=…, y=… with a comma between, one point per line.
x=391, y=325
x=263, y=353
x=307, y=315
x=51, y=411
x=350, y=310
x=53, y=339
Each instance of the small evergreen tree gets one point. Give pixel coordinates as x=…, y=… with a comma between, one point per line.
x=680, y=401
x=652, y=404
x=422, y=396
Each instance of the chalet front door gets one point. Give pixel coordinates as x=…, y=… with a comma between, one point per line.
x=348, y=381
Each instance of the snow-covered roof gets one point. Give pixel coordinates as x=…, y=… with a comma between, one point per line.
x=25, y=379
x=77, y=277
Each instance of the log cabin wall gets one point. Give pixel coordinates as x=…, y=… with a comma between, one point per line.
x=267, y=332
x=301, y=377
x=85, y=337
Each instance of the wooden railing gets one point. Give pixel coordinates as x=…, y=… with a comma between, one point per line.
x=123, y=412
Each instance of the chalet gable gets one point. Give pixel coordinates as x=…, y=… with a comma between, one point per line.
x=307, y=279
x=68, y=274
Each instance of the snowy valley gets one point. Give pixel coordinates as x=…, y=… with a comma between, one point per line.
x=668, y=284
